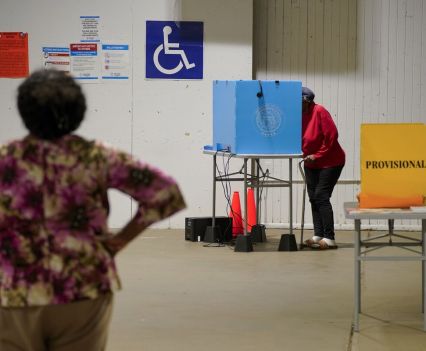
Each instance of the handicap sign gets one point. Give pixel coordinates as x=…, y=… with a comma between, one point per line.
x=174, y=50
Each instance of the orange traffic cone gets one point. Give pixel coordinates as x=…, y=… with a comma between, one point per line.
x=251, y=209
x=235, y=214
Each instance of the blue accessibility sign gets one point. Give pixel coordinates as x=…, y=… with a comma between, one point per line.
x=174, y=50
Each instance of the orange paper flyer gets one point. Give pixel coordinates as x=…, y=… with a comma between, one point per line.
x=14, y=55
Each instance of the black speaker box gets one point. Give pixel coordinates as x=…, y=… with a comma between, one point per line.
x=196, y=227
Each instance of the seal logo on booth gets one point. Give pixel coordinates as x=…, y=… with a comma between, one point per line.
x=268, y=119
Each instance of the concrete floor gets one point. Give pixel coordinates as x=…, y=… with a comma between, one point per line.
x=179, y=295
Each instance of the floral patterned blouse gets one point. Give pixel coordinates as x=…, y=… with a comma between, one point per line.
x=54, y=209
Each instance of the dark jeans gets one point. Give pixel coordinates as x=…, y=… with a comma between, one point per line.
x=320, y=184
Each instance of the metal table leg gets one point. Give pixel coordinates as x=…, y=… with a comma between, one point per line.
x=357, y=280
x=214, y=192
x=424, y=272
x=290, y=185
x=391, y=227
x=212, y=232
x=257, y=173
x=243, y=242
x=245, y=197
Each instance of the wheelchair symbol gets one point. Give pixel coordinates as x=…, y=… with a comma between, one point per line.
x=170, y=49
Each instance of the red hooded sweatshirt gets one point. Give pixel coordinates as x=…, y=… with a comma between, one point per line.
x=319, y=138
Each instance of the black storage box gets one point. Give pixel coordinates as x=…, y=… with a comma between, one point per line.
x=196, y=227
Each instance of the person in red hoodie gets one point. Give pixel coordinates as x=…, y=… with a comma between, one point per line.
x=324, y=160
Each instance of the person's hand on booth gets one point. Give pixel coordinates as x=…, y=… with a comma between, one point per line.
x=309, y=158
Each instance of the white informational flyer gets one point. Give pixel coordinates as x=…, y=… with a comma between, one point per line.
x=90, y=29
x=85, y=64
x=56, y=57
x=115, y=61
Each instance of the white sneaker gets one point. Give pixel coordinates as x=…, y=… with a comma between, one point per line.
x=312, y=241
x=326, y=244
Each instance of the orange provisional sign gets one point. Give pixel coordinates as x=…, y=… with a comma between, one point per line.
x=14, y=55
x=393, y=164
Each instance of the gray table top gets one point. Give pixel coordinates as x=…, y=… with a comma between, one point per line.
x=227, y=154
x=352, y=211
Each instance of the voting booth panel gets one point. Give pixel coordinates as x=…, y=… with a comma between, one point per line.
x=393, y=164
x=257, y=117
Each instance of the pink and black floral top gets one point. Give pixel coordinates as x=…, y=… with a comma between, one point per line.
x=54, y=209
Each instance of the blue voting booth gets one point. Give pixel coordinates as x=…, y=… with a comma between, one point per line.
x=257, y=117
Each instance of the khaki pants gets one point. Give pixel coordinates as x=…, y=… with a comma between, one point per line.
x=78, y=326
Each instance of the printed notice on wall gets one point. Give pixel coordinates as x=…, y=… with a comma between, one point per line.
x=115, y=61
x=14, y=55
x=56, y=57
x=85, y=61
x=90, y=28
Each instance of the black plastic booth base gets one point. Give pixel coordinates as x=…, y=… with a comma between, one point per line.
x=258, y=234
x=212, y=234
x=243, y=244
x=287, y=243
